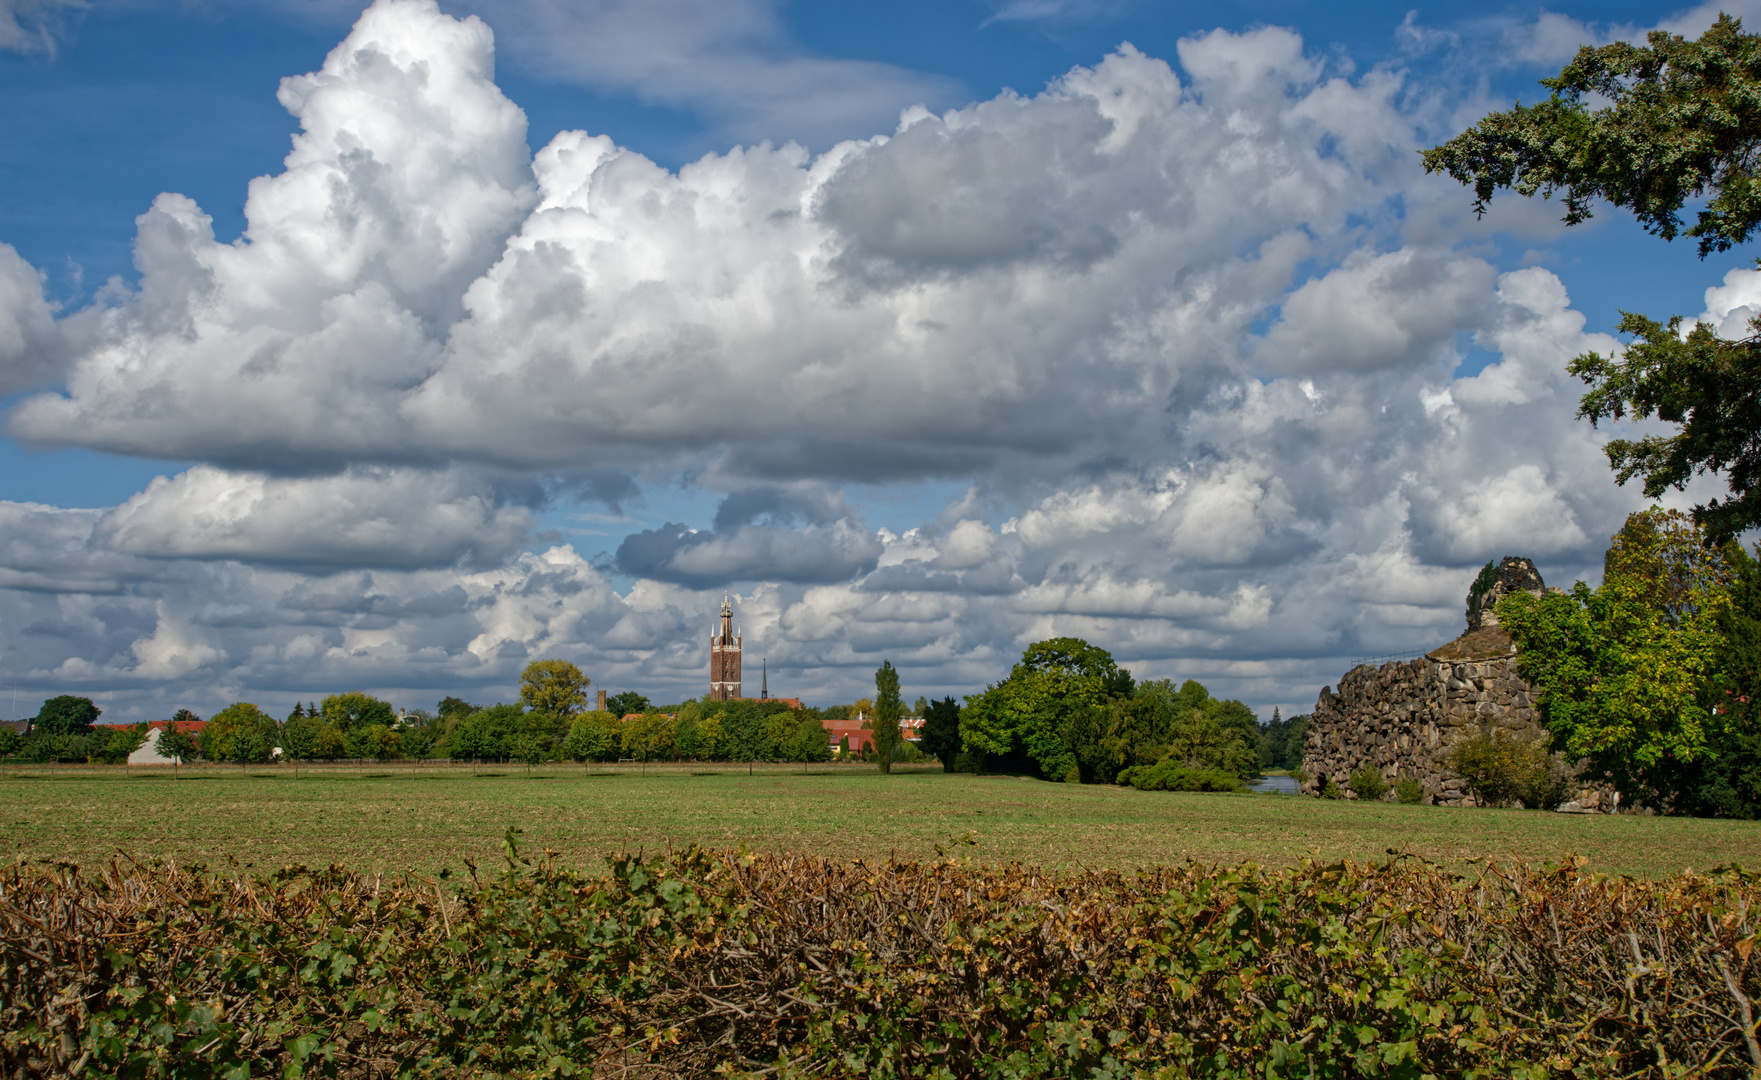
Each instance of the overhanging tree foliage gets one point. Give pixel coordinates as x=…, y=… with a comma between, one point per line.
x=1648, y=128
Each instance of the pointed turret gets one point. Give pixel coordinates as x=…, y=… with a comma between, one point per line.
x=724, y=657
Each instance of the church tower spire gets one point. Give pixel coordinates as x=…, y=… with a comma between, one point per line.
x=724, y=658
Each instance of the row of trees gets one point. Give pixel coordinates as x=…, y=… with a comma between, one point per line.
x=1068, y=712
x=65, y=729
x=549, y=723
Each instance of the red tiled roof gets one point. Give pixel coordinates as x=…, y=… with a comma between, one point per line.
x=161, y=725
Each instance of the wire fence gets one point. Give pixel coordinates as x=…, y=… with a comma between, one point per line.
x=1388, y=658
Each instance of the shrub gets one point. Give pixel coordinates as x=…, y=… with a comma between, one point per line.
x=1502, y=768
x=1171, y=775
x=39, y=747
x=969, y=761
x=1409, y=791
x=705, y=964
x=1330, y=790
x=1368, y=783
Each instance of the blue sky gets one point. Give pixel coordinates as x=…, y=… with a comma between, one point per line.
x=1157, y=387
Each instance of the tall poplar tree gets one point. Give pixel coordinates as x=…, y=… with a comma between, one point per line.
x=885, y=724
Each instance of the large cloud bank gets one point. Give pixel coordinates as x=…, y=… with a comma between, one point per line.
x=1192, y=342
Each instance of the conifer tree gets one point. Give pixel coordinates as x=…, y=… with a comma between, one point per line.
x=886, y=714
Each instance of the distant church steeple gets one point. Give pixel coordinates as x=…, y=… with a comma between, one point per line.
x=764, y=680
x=724, y=658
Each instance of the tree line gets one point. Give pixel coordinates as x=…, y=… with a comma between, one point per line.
x=549, y=723
x=1066, y=712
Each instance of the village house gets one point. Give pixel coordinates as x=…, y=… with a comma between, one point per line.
x=861, y=737
x=148, y=752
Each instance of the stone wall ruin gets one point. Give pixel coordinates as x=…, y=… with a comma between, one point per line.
x=1405, y=717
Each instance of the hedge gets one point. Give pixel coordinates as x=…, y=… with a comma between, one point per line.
x=695, y=962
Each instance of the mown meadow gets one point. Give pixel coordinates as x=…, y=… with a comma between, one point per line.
x=428, y=817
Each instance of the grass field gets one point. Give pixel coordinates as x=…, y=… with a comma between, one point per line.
x=384, y=819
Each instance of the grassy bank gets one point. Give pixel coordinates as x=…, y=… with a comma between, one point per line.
x=426, y=819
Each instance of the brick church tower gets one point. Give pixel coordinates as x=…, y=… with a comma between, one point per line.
x=724, y=658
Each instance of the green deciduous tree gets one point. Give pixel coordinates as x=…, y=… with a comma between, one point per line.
x=622, y=705
x=177, y=746
x=484, y=735
x=554, y=687
x=808, y=741
x=240, y=732
x=1621, y=671
x=1281, y=741
x=1710, y=388
x=529, y=750
x=9, y=741
x=594, y=736
x=649, y=737
x=1649, y=128
x=885, y=724
x=478, y=740
x=1729, y=784
x=1027, y=720
x=356, y=710
x=66, y=715
x=1182, y=727
x=299, y=735
x=123, y=741
x=743, y=734
x=372, y=741
x=416, y=740
x=699, y=733
x=452, y=706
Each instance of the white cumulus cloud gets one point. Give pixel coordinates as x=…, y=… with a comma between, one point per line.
x=1187, y=337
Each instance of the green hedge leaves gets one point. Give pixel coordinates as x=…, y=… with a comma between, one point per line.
x=695, y=963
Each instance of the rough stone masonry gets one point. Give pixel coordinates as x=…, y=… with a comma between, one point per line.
x=1405, y=717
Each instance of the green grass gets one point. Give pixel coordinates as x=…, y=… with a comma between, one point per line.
x=394, y=818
